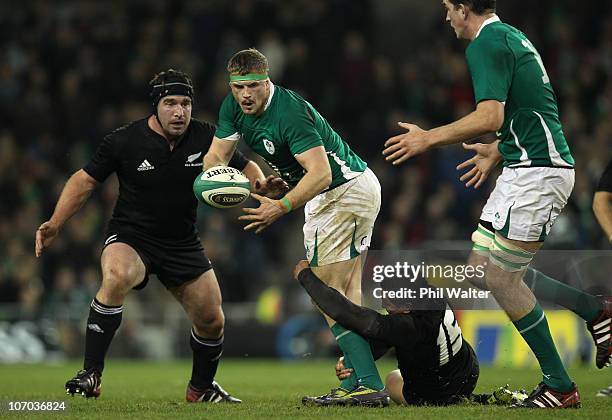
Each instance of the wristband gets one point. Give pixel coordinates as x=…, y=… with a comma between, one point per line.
x=286, y=204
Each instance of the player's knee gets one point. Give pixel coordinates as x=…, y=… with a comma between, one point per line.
x=210, y=324
x=116, y=280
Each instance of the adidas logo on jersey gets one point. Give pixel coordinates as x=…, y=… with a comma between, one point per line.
x=145, y=166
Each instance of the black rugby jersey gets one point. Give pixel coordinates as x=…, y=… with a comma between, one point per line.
x=605, y=182
x=155, y=184
x=432, y=356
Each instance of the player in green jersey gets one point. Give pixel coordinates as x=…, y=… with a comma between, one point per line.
x=340, y=194
x=515, y=99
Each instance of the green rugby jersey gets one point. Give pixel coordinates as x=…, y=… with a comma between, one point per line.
x=288, y=126
x=506, y=67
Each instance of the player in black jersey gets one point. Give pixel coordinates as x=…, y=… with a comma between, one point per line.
x=602, y=328
x=436, y=365
x=152, y=230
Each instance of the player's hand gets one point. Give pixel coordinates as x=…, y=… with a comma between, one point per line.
x=300, y=266
x=271, y=187
x=341, y=372
x=263, y=216
x=45, y=234
x=400, y=148
x=486, y=158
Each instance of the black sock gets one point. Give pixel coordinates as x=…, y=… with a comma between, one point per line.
x=102, y=323
x=206, y=355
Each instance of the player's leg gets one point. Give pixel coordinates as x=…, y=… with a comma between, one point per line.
x=201, y=300
x=345, y=276
x=338, y=227
x=122, y=269
x=526, y=206
x=394, y=383
x=509, y=259
x=353, y=293
x=595, y=310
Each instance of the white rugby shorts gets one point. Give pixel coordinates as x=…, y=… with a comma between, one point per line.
x=338, y=223
x=526, y=201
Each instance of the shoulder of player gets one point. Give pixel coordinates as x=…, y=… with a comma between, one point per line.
x=492, y=40
x=125, y=132
x=198, y=126
x=291, y=105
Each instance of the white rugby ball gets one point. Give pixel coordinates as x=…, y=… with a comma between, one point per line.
x=222, y=187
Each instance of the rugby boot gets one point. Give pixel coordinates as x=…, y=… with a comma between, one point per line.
x=545, y=397
x=88, y=383
x=214, y=394
x=601, y=331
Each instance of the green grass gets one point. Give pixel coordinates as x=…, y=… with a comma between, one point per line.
x=269, y=389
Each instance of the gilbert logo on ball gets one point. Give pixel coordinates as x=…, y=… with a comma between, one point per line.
x=222, y=187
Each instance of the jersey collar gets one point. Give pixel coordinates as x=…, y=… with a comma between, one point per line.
x=492, y=19
x=271, y=95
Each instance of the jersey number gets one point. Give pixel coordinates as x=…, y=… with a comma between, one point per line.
x=527, y=44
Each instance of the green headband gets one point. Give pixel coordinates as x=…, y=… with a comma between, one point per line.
x=248, y=77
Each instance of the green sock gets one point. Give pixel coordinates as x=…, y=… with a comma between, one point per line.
x=351, y=381
x=586, y=306
x=360, y=355
x=534, y=329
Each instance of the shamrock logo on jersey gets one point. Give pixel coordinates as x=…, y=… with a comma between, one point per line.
x=269, y=146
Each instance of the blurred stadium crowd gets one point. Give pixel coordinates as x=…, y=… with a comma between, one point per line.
x=70, y=72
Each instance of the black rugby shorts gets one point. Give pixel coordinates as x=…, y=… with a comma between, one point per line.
x=173, y=261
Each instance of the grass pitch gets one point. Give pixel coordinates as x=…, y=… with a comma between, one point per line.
x=269, y=389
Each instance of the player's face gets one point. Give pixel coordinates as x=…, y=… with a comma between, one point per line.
x=456, y=17
x=251, y=95
x=174, y=113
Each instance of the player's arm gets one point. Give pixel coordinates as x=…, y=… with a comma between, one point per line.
x=602, y=202
x=75, y=193
x=488, y=117
x=318, y=176
x=271, y=186
x=219, y=153
x=364, y=321
x=602, y=207
x=316, y=179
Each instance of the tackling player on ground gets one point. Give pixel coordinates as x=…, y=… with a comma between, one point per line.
x=515, y=99
x=340, y=195
x=436, y=365
x=152, y=231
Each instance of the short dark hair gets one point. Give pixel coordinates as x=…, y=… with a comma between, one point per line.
x=480, y=7
x=247, y=61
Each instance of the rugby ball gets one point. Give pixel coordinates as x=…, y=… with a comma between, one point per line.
x=222, y=187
